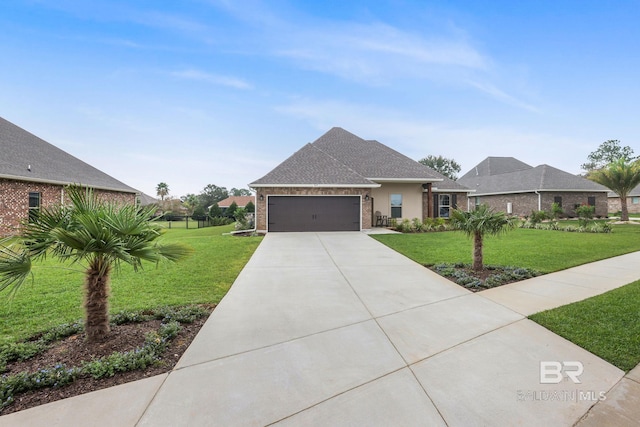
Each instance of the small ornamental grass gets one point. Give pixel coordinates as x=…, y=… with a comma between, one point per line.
x=462, y=274
x=156, y=342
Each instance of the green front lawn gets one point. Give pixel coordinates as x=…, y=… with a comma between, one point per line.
x=542, y=250
x=607, y=325
x=55, y=296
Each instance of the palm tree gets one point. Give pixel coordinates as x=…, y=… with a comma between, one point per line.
x=620, y=177
x=480, y=222
x=100, y=235
x=162, y=191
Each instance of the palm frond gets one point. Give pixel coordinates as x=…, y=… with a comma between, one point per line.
x=15, y=265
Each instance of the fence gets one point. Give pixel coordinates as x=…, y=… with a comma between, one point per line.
x=186, y=222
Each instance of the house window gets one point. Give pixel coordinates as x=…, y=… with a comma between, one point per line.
x=558, y=200
x=444, y=202
x=635, y=200
x=477, y=201
x=396, y=206
x=34, y=205
x=591, y=201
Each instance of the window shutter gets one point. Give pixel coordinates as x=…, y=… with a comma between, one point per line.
x=454, y=201
x=436, y=206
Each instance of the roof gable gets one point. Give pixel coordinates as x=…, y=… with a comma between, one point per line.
x=29, y=158
x=310, y=166
x=496, y=166
x=340, y=158
x=540, y=178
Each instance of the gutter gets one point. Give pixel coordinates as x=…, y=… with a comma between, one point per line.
x=539, y=199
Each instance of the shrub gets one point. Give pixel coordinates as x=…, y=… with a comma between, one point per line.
x=556, y=210
x=406, y=226
x=537, y=217
x=585, y=214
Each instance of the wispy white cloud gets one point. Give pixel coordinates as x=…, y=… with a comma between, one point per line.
x=416, y=137
x=193, y=74
x=500, y=95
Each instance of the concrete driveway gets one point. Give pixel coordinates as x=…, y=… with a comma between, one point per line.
x=337, y=329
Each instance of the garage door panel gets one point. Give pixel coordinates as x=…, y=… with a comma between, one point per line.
x=314, y=213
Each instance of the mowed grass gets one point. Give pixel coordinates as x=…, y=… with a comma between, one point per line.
x=542, y=250
x=55, y=295
x=607, y=325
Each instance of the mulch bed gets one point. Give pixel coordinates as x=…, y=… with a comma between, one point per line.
x=73, y=350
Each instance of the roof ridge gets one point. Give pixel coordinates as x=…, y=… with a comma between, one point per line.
x=338, y=160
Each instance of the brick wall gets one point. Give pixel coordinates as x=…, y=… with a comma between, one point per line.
x=523, y=203
x=14, y=201
x=615, y=206
x=261, y=205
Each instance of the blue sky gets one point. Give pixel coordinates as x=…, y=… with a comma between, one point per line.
x=201, y=92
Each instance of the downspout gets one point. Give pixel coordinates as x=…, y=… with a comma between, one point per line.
x=539, y=200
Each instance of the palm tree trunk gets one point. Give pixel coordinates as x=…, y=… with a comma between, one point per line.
x=623, y=207
x=477, y=252
x=96, y=302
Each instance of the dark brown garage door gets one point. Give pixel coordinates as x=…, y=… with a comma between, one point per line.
x=314, y=213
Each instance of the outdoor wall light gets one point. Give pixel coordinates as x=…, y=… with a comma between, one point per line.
x=261, y=197
x=366, y=197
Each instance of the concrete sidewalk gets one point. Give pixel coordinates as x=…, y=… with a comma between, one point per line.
x=338, y=329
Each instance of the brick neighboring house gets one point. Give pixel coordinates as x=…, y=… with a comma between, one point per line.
x=509, y=185
x=341, y=182
x=34, y=173
x=241, y=202
x=633, y=202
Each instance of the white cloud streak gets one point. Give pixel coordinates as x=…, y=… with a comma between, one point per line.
x=193, y=74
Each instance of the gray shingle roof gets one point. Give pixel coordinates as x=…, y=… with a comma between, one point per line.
x=496, y=166
x=634, y=193
x=22, y=150
x=540, y=178
x=340, y=158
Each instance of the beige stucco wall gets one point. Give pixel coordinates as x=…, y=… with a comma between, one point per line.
x=411, y=199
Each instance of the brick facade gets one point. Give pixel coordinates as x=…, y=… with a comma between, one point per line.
x=14, y=201
x=633, y=208
x=522, y=204
x=261, y=205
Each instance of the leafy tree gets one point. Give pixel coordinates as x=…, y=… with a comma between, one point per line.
x=447, y=167
x=190, y=202
x=477, y=224
x=102, y=235
x=199, y=213
x=250, y=207
x=162, y=190
x=215, y=211
x=240, y=192
x=212, y=194
x=608, y=152
x=620, y=177
x=231, y=210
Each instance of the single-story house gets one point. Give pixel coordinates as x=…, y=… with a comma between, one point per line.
x=34, y=173
x=633, y=201
x=240, y=201
x=341, y=182
x=512, y=186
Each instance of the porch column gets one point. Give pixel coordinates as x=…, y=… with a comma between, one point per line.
x=430, y=200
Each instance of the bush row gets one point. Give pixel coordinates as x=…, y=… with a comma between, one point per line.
x=59, y=375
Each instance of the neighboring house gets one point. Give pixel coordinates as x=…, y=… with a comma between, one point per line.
x=509, y=185
x=633, y=201
x=34, y=173
x=341, y=182
x=241, y=202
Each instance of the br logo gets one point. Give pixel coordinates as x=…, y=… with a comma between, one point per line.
x=552, y=372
